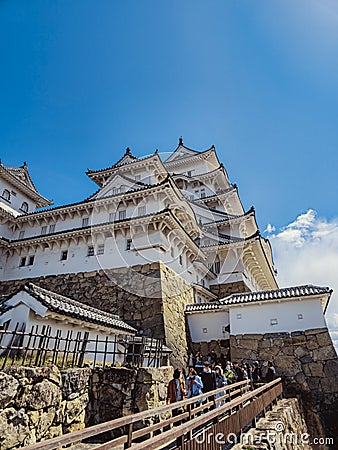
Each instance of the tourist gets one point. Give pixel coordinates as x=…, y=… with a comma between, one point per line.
x=229, y=374
x=194, y=384
x=221, y=381
x=176, y=388
x=191, y=360
x=271, y=373
x=256, y=374
x=208, y=379
x=239, y=372
x=198, y=365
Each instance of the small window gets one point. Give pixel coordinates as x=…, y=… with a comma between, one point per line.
x=238, y=316
x=217, y=267
x=189, y=173
x=6, y=195
x=64, y=255
x=273, y=322
x=300, y=316
x=172, y=254
x=23, y=261
x=24, y=207
x=204, y=330
x=180, y=260
x=22, y=234
x=85, y=221
x=111, y=217
x=137, y=177
x=202, y=193
x=30, y=261
x=100, y=249
x=52, y=228
x=90, y=251
x=141, y=210
x=114, y=191
x=122, y=214
x=13, y=193
x=128, y=245
x=44, y=230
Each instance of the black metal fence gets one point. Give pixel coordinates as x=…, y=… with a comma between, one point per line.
x=44, y=345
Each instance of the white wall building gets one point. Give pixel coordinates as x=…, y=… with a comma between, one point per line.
x=291, y=309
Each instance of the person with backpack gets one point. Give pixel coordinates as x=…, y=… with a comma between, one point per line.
x=229, y=374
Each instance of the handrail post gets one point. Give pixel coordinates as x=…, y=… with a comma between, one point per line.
x=130, y=436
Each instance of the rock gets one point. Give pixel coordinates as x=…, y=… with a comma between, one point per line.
x=41, y=421
x=43, y=395
x=8, y=389
x=14, y=428
x=75, y=381
x=74, y=409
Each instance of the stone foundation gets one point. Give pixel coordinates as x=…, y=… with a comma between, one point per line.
x=219, y=347
x=157, y=309
x=41, y=403
x=308, y=365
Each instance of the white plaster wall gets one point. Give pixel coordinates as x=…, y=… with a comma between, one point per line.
x=256, y=318
x=213, y=322
x=15, y=200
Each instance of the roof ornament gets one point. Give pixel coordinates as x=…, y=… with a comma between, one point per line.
x=128, y=151
x=180, y=141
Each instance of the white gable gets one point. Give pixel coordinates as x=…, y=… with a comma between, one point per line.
x=180, y=153
x=115, y=185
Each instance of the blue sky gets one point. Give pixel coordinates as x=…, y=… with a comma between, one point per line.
x=82, y=80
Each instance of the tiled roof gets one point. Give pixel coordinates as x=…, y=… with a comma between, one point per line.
x=288, y=292
x=118, y=163
x=203, y=307
x=69, y=307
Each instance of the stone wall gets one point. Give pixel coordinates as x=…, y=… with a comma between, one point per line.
x=308, y=365
x=150, y=297
x=118, y=391
x=225, y=289
x=219, y=347
x=268, y=434
x=176, y=294
x=41, y=403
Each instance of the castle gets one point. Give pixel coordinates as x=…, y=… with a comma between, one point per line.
x=163, y=243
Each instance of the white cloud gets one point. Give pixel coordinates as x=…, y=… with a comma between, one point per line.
x=269, y=229
x=306, y=252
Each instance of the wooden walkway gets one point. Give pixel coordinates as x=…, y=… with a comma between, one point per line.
x=182, y=422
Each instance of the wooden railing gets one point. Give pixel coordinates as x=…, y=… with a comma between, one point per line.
x=238, y=407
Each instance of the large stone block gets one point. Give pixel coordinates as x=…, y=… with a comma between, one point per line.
x=42, y=395
x=14, y=428
x=8, y=389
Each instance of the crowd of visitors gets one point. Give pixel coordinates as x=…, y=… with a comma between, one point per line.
x=207, y=373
